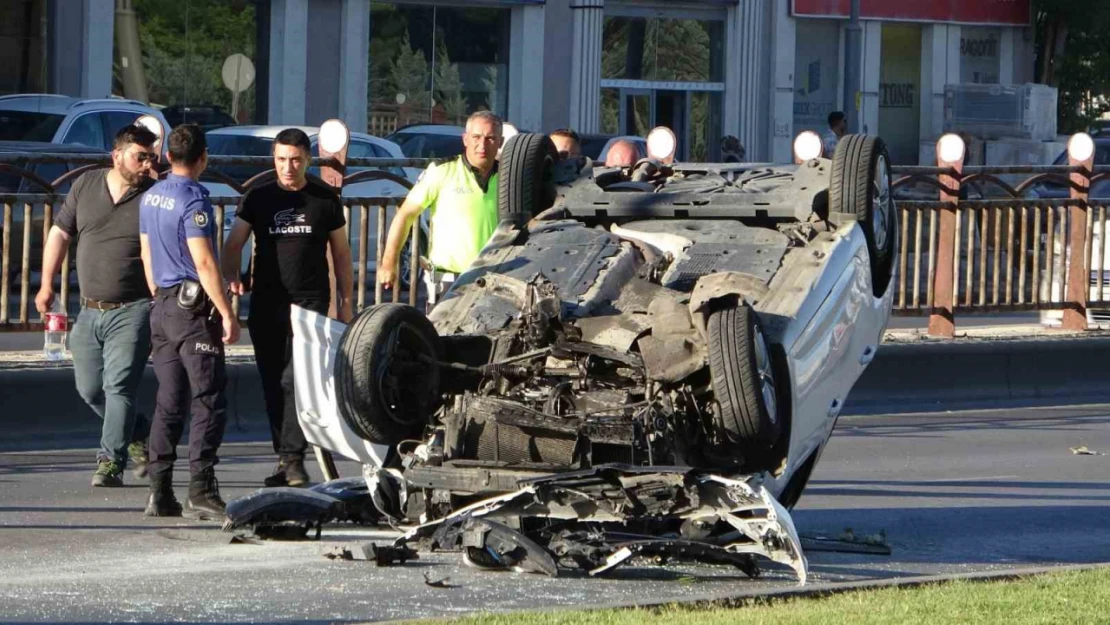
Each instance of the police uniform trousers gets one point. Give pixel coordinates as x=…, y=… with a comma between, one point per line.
x=188, y=355
x=272, y=336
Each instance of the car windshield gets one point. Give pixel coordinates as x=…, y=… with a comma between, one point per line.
x=28, y=125
x=240, y=145
x=427, y=145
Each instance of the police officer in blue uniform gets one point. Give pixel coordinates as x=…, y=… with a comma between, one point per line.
x=190, y=322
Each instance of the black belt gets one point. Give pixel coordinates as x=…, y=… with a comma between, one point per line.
x=101, y=306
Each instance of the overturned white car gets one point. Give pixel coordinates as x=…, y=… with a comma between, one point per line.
x=643, y=361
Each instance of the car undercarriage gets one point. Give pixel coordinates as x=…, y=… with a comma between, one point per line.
x=630, y=369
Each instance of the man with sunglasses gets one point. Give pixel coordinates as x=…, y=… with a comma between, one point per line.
x=462, y=195
x=110, y=341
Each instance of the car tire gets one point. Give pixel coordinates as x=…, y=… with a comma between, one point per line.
x=385, y=391
x=860, y=186
x=525, y=178
x=743, y=381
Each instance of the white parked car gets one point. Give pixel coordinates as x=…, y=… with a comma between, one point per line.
x=643, y=362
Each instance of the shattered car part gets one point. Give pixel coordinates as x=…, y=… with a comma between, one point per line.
x=650, y=367
x=751, y=522
x=381, y=555
x=283, y=512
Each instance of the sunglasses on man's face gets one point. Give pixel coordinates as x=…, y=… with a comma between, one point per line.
x=145, y=157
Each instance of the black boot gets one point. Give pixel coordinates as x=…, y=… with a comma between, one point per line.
x=204, y=502
x=162, y=501
x=295, y=474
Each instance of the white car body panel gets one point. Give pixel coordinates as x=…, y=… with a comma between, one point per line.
x=315, y=346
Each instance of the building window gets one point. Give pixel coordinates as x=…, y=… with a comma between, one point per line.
x=900, y=92
x=183, y=45
x=664, y=71
x=23, y=46
x=816, y=74
x=436, y=64
x=980, y=55
x=640, y=48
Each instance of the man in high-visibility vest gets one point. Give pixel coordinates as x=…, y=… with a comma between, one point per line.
x=462, y=195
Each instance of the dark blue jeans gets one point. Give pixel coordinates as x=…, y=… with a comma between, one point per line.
x=110, y=350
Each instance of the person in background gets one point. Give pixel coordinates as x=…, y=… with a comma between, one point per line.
x=111, y=339
x=567, y=143
x=838, y=125
x=295, y=223
x=621, y=154
x=190, y=323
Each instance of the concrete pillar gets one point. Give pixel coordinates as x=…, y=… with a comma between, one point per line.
x=526, y=82
x=1006, y=54
x=354, y=65
x=868, y=114
x=940, y=66
x=557, y=58
x=748, y=49
x=777, y=86
x=80, y=35
x=585, y=78
x=288, y=61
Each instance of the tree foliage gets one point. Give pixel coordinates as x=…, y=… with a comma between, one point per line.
x=184, y=44
x=1073, y=56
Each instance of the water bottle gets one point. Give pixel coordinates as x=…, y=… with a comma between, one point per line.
x=54, y=345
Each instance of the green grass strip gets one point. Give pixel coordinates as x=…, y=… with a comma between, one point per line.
x=1073, y=597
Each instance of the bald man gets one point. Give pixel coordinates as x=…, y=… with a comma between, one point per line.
x=621, y=154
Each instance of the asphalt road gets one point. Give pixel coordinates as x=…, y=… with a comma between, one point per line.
x=956, y=492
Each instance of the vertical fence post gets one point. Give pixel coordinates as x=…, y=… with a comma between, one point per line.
x=1081, y=153
x=334, y=138
x=950, y=155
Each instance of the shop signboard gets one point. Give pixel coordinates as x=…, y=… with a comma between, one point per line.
x=993, y=12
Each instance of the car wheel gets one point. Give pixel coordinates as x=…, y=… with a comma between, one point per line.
x=861, y=186
x=386, y=389
x=744, y=383
x=526, y=183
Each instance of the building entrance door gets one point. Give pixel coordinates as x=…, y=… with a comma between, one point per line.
x=644, y=109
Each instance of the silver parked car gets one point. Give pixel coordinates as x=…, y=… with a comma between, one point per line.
x=63, y=119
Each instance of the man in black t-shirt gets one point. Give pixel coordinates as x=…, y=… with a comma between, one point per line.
x=294, y=222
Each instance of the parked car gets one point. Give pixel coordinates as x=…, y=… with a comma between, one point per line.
x=429, y=140
x=661, y=353
x=62, y=119
x=207, y=116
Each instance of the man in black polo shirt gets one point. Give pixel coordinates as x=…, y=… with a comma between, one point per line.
x=294, y=222
x=111, y=339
